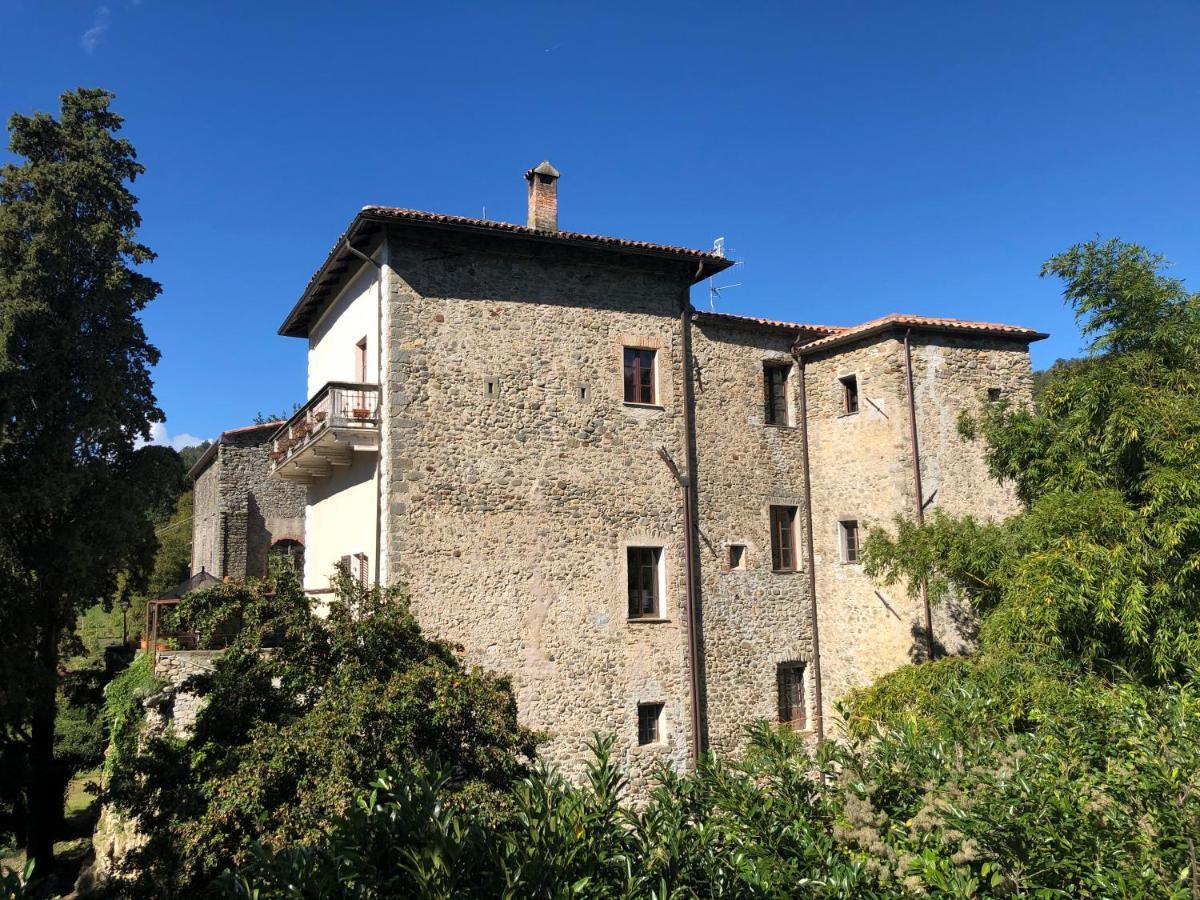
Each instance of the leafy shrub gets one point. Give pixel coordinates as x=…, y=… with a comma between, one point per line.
x=1103, y=803
x=301, y=710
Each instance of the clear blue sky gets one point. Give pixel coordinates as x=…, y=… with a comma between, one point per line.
x=862, y=158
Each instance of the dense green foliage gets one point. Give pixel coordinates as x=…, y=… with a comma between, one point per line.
x=75, y=397
x=1094, y=806
x=301, y=711
x=1102, y=570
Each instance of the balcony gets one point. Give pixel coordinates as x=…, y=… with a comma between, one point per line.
x=340, y=420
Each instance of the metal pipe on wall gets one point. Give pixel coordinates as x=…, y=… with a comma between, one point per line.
x=917, y=488
x=810, y=559
x=690, y=503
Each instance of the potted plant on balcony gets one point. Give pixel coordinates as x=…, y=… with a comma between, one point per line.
x=360, y=412
x=319, y=416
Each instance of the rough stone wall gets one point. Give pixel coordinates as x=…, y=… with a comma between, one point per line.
x=509, y=513
x=206, y=520
x=240, y=510
x=753, y=618
x=266, y=509
x=175, y=708
x=862, y=470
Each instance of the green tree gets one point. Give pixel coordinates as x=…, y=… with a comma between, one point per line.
x=1101, y=569
x=301, y=710
x=75, y=397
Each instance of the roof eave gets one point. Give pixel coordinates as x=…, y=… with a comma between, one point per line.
x=840, y=340
x=293, y=326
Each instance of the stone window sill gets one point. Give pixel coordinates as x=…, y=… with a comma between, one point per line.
x=646, y=621
x=846, y=415
x=785, y=571
x=650, y=406
x=656, y=747
x=780, y=425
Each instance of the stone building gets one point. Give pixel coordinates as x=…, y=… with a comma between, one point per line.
x=240, y=513
x=648, y=516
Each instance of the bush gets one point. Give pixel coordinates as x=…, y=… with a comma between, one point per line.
x=300, y=711
x=1101, y=803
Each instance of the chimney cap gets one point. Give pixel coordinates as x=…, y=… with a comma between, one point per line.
x=543, y=168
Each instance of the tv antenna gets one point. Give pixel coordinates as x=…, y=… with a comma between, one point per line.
x=714, y=289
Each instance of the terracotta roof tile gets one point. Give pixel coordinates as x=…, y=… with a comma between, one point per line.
x=416, y=215
x=923, y=323
x=311, y=301
x=702, y=315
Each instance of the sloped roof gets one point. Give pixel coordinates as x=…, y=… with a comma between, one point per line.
x=750, y=321
x=337, y=263
x=919, y=323
x=207, y=456
x=197, y=582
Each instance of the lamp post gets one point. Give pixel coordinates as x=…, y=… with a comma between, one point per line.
x=124, y=604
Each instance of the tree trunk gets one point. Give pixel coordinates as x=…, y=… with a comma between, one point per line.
x=44, y=788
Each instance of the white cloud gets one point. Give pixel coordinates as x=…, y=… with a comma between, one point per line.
x=160, y=436
x=93, y=35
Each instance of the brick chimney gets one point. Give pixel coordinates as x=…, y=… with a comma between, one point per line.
x=543, y=197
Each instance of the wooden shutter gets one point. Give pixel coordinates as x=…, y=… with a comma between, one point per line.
x=783, y=543
x=792, y=707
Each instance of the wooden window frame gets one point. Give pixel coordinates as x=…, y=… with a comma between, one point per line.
x=791, y=685
x=649, y=723
x=850, y=539
x=776, y=408
x=783, y=539
x=633, y=381
x=360, y=361
x=636, y=584
x=850, y=399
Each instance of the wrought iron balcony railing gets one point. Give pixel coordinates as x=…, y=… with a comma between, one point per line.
x=341, y=417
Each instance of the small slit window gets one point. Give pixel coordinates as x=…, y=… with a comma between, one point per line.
x=850, y=540
x=793, y=706
x=737, y=556
x=783, y=538
x=649, y=723
x=775, y=399
x=639, y=375
x=849, y=394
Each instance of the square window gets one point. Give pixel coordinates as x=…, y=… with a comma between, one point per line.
x=850, y=540
x=737, y=556
x=644, y=569
x=793, y=706
x=649, y=723
x=849, y=394
x=639, y=375
x=775, y=398
x=783, y=538
x=994, y=394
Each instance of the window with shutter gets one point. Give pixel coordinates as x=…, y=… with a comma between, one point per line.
x=793, y=709
x=649, y=723
x=642, y=565
x=639, y=375
x=850, y=541
x=783, y=538
x=849, y=394
x=775, y=400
